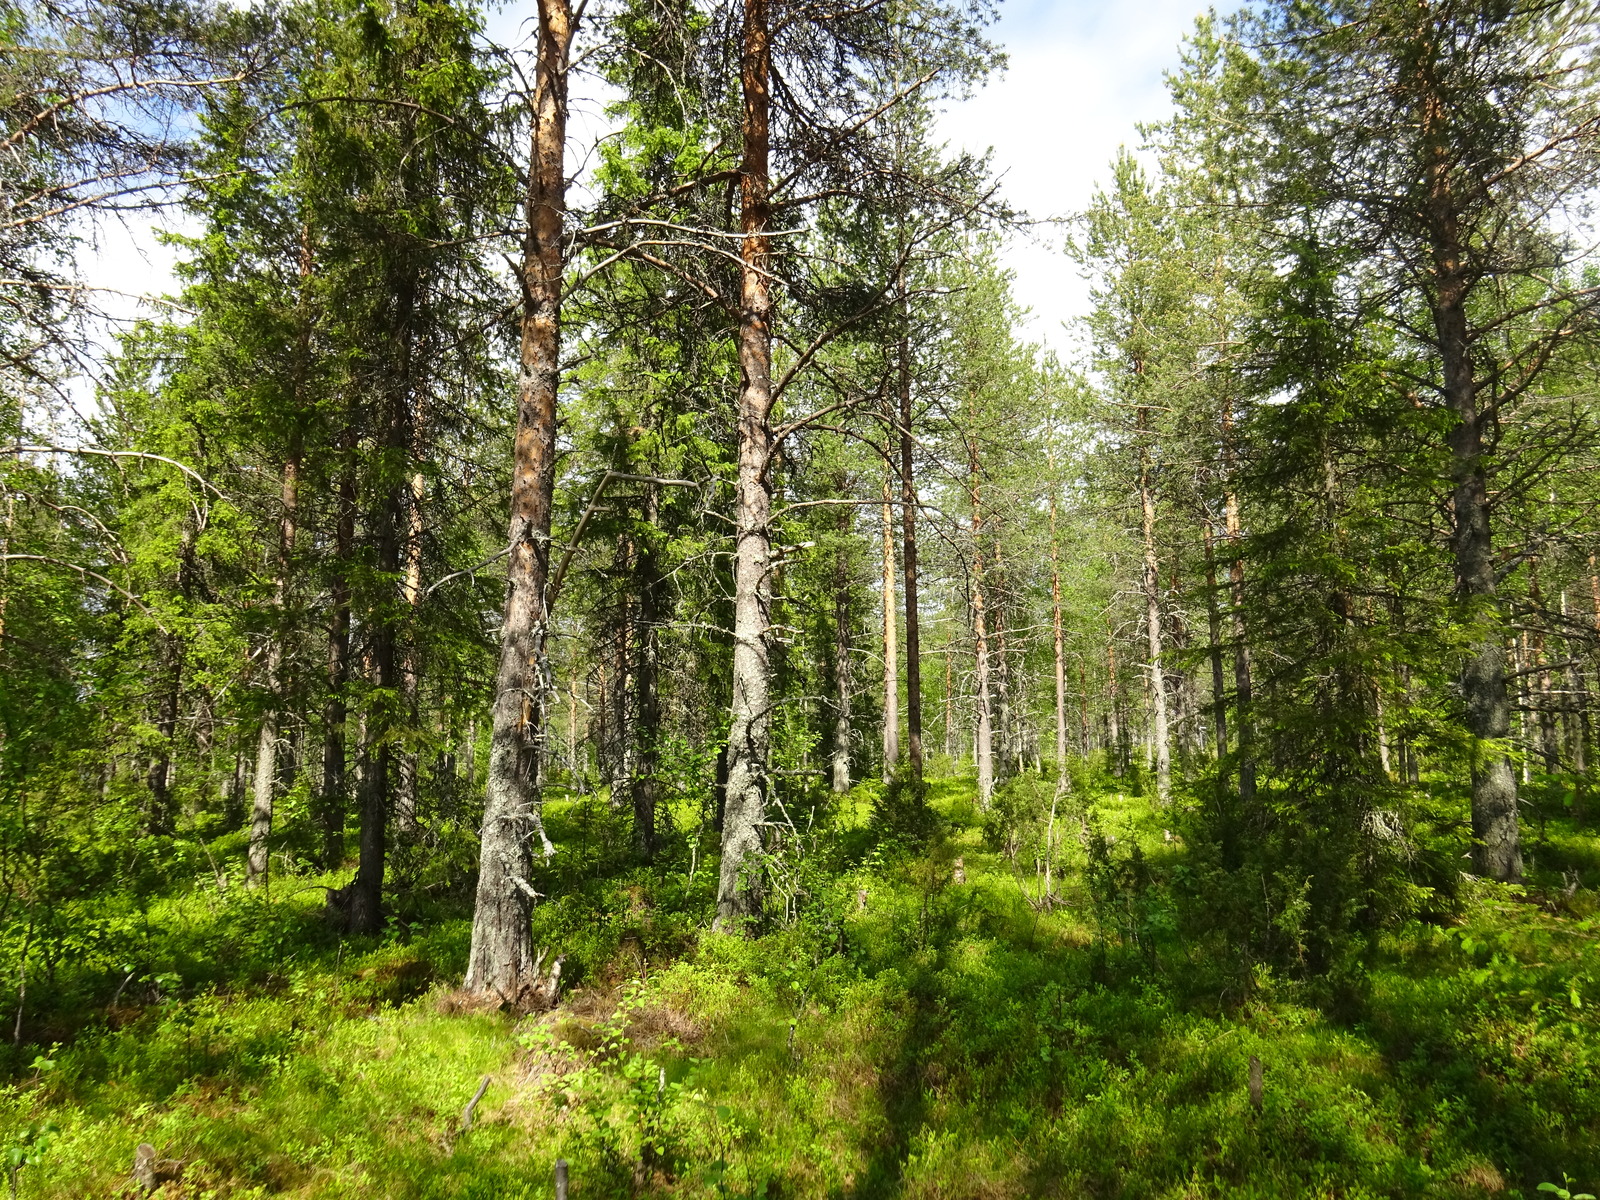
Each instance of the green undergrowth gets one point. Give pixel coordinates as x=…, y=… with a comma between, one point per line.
x=919, y=1019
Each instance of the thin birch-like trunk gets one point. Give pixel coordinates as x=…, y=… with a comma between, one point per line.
x=983, y=735
x=841, y=665
x=266, y=769
x=1152, y=602
x=908, y=528
x=1061, y=663
x=891, y=652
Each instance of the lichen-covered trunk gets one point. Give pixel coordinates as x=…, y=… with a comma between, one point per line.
x=502, y=962
x=749, y=733
x=1496, y=843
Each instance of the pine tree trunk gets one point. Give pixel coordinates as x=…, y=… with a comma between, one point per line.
x=1061, y=662
x=267, y=737
x=949, y=703
x=362, y=900
x=335, y=712
x=1241, y=647
x=983, y=743
x=1518, y=654
x=1219, y=690
x=1152, y=602
x=647, y=661
x=749, y=733
x=908, y=529
x=891, y=652
x=158, y=776
x=1496, y=843
x=1000, y=675
x=501, y=962
x=623, y=691
x=1116, y=746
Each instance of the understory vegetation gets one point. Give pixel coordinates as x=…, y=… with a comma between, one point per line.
x=584, y=623
x=926, y=1025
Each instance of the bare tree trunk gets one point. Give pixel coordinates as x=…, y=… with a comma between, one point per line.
x=949, y=702
x=1000, y=672
x=647, y=662
x=983, y=747
x=267, y=736
x=623, y=691
x=1116, y=749
x=1241, y=647
x=1528, y=731
x=908, y=527
x=1549, y=744
x=749, y=733
x=1219, y=690
x=502, y=962
x=1577, y=709
x=1061, y=662
x=406, y=800
x=841, y=663
x=1496, y=842
x=335, y=712
x=1152, y=603
x=158, y=776
x=891, y=652
x=1083, y=707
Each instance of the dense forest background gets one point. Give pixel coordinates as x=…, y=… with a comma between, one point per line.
x=629, y=635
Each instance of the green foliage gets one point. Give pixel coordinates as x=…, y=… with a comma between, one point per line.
x=903, y=1031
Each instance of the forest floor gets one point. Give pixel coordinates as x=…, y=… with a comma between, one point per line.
x=924, y=1027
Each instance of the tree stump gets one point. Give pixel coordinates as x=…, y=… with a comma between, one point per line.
x=150, y=1172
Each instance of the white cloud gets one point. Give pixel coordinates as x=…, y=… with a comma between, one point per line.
x=1081, y=77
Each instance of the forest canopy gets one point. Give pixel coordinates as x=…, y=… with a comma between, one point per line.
x=640, y=616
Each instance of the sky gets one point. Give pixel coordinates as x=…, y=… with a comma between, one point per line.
x=1081, y=75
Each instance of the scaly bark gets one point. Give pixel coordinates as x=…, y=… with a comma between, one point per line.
x=1219, y=691
x=335, y=711
x=749, y=734
x=646, y=683
x=502, y=962
x=1496, y=842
